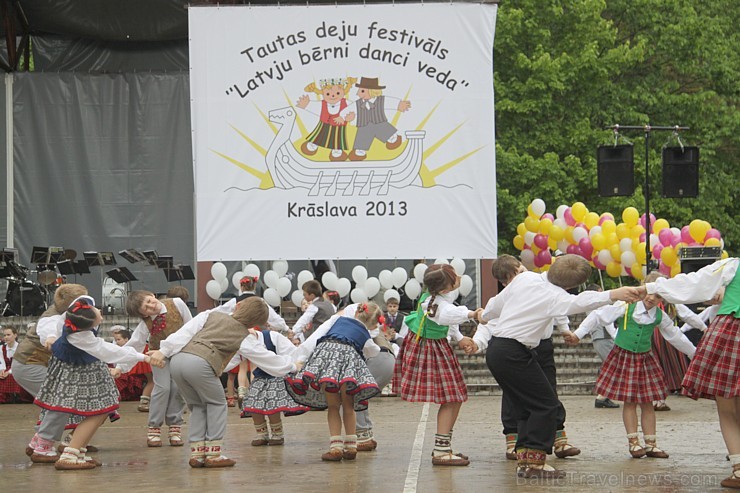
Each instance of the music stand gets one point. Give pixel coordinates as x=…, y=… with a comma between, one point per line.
x=40, y=255
x=9, y=255
x=81, y=267
x=172, y=274
x=187, y=273
x=151, y=256
x=67, y=268
x=93, y=259
x=56, y=254
x=165, y=262
x=121, y=275
x=107, y=258
x=132, y=255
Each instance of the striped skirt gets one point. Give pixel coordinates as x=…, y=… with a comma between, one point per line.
x=715, y=369
x=672, y=361
x=86, y=390
x=427, y=370
x=631, y=377
x=329, y=136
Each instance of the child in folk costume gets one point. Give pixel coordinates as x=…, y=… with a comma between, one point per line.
x=79, y=382
x=199, y=352
x=267, y=396
x=159, y=319
x=427, y=369
x=631, y=372
x=336, y=376
x=525, y=309
x=130, y=385
x=9, y=388
x=714, y=372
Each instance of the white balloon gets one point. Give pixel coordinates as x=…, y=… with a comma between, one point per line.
x=594, y=231
x=628, y=259
x=297, y=297
x=563, y=245
x=386, y=278
x=213, y=289
x=538, y=207
x=329, y=279
x=303, y=277
x=218, y=271
x=280, y=267
x=527, y=257
x=413, y=289
x=459, y=265
x=560, y=212
x=236, y=278
x=271, y=296
x=283, y=286
x=359, y=274
x=654, y=240
x=466, y=285
x=579, y=233
x=399, y=277
x=625, y=244
x=371, y=286
x=419, y=270
x=560, y=223
x=605, y=256
x=224, y=283
x=251, y=270
x=271, y=279
x=391, y=293
x=343, y=286
x=358, y=295
x=441, y=261
x=529, y=238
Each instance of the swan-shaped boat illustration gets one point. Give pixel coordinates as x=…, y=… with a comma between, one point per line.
x=290, y=169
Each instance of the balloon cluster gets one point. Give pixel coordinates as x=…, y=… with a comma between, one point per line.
x=216, y=286
x=617, y=248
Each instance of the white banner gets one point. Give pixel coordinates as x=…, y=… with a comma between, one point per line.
x=343, y=131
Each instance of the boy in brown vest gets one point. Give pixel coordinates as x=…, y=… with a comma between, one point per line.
x=159, y=319
x=200, y=351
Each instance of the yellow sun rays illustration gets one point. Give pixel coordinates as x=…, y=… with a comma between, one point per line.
x=378, y=150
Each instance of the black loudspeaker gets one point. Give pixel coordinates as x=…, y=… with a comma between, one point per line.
x=616, y=170
x=680, y=172
x=694, y=258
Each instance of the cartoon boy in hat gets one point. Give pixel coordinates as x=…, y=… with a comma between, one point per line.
x=372, y=123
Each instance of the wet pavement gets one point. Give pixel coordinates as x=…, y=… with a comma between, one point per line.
x=402, y=463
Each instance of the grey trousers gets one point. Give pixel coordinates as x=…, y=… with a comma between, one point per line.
x=204, y=394
x=365, y=135
x=381, y=367
x=30, y=377
x=52, y=425
x=603, y=347
x=166, y=405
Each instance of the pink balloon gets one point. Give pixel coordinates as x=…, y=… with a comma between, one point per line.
x=568, y=216
x=658, y=248
x=685, y=235
x=628, y=270
x=547, y=216
x=586, y=247
x=642, y=237
x=652, y=221
x=540, y=240
x=712, y=233
x=544, y=258
x=598, y=264
x=664, y=269
x=665, y=236
x=573, y=249
x=526, y=247
x=581, y=225
x=675, y=240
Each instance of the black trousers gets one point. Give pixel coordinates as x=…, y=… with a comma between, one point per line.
x=546, y=359
x=517, y=371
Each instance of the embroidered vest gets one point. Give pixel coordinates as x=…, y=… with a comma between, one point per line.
x=420, y=324
x=30, y=351
x=173, y=323
x=731, y=301
x=327, y=117
x=63, y=350
x=218, y=341
x=634, y=337
x=376, y=113
x=348, y=330
x=259, y=372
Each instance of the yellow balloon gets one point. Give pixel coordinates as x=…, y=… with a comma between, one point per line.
x=636, y=231
x=636, y=244
x=712, y=242
x=725, y=254
x=521, y=229
x=545, y=225
x=668, y=256
x=579, y=211
x=608, y=227
x=545, y=267
x=556, y=233
x=612, y=239
x=698, y=230
x=615, y=251
x=613, y=269
x=640, y=253
x=591, y=219
x=660, y=225
x=676, y=270
x=531, y=213
x=637, y=271
x=552, y=243
x=535, y=249
x=518, y=242
x=598, y=241
x=630, y=216
x=569, y=235
x=623, y=231
x=531, y=224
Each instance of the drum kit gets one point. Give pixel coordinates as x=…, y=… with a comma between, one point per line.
x=26, y=296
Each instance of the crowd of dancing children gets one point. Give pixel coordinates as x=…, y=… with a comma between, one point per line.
x=336, y=360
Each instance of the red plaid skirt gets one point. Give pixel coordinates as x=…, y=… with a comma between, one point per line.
x=427, y=370
x=715, y=369
x=8, y=387
x=141, y=368
x=631, y=377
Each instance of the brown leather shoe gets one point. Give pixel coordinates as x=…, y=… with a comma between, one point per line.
x=353, y=156
x=661, y=406
x=349, y=454
x=196, y=463
x=733, y=481
x=563, y=452
x=367, y=446
x=260, y=442
x=341, y=157
x=276, y=441
x=656, y=453
x=305, y=150
x=511, y=455
x=73, y=465
x=154, y=442
x=43, y=459
x=532, y=472
x=29, y=450
x=220, y=461
x=449, y=460
x=333, y=455
x=92, y=448
x=394, y=145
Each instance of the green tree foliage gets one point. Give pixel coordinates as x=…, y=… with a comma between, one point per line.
x=565, y=70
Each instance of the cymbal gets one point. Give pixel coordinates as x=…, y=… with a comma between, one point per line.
x=70, y=254
x=47, y=277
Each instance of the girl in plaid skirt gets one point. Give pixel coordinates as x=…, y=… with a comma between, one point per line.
x=631, y=372
x=715, y=371
x=427, y=369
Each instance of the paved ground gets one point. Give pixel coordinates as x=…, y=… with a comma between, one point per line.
x=690, y=433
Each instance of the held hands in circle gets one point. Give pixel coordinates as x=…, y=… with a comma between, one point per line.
x=155, y=358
